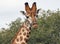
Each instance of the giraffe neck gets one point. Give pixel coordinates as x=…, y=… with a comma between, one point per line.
x=22, y=35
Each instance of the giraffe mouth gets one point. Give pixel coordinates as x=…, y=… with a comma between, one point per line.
x=34, y=23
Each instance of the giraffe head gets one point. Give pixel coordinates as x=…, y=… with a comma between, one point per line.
x=31, y=14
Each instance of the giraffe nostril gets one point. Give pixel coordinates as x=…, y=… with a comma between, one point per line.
x=24, y=33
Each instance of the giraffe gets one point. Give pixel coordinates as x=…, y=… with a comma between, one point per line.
x=22, y=36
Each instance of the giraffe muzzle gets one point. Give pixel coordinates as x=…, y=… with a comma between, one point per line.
x=35, y=25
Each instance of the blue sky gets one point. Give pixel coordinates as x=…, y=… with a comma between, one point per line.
x=9, y=9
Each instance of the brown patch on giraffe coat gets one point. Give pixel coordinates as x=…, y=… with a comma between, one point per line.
x=20, y=33
x=25, y=39
x=27, y=35
x=22, y=42
x=21, y=38
x=24, y=33
x=22, y=30
x=17, y=39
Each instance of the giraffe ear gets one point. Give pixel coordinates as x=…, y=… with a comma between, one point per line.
x=34, y=8
x=27, y=8
x=23, y=12
x=38, y=11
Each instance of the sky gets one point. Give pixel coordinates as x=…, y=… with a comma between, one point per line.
x=9, y=9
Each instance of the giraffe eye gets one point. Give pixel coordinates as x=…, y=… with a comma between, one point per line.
x=36, y=15
x=27, y=16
